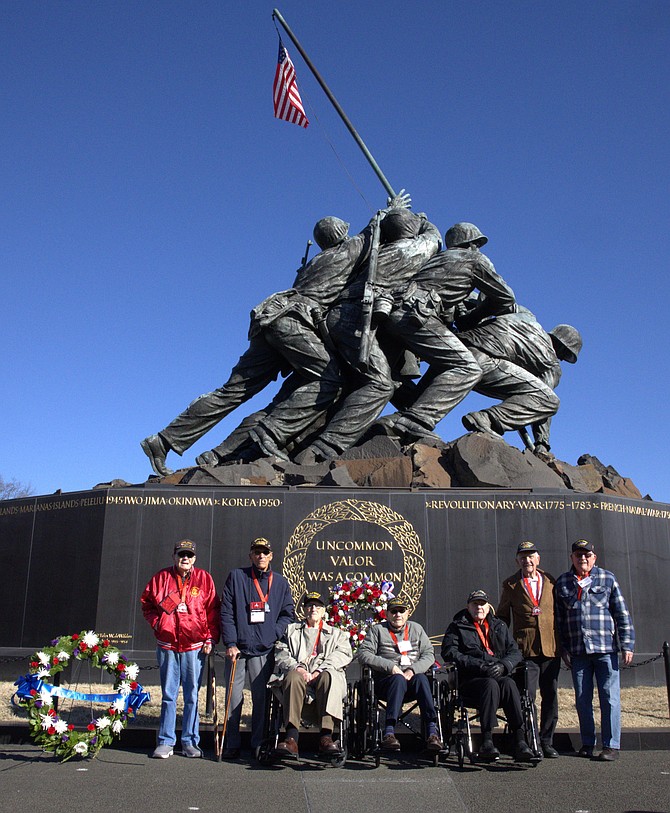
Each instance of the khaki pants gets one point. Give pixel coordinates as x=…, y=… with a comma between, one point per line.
x=295, y=690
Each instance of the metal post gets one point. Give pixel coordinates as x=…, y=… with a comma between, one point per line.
x=666, y=661
x=336, y=105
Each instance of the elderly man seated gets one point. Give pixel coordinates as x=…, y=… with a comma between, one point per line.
x=310, y=661
x=399, y=652
x=484, y=652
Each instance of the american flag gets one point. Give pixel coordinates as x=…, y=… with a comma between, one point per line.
x=287, y=101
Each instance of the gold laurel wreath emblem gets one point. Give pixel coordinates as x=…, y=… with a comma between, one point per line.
x=400, y=529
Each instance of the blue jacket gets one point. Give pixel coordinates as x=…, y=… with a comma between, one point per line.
x=236, y=628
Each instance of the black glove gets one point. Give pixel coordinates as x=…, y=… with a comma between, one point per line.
x=496, y=669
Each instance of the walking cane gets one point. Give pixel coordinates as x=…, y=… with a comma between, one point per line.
x=218, y=741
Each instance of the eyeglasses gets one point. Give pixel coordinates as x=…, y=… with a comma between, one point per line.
x=260, y=552
x=397, y=611
x=185, y=554
x=312, y=606
x=582, y=555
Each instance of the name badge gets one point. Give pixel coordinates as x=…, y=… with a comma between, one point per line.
x=256, y=612
x=405, y=660
x=584, y=582
x=404, y=646
x=536, y=611
x=182, y=608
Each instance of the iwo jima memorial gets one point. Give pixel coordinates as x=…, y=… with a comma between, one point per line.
x=343, y=471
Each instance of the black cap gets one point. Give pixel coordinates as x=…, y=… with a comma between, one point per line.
x=582, y=546
x=396, y=604
x=186, y=545
x=261, y=542
x=526, y=547
x=478, y=596
x=313, y=598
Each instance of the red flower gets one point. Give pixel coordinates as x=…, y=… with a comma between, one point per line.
x=96, y=648
x=83, y=647
x=75, y=637
x=70, y=727
x=91, y=726
x=55, y=660
x=52, y=712
x=34, y=663
x=105, y=642
x=51, y=730
x=111, y=711
x=33, y=692
x=121, y=667
x=134, y=684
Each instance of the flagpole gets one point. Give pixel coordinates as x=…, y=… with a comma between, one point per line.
x=366, y=152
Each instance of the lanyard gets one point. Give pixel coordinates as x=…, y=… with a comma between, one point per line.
x=182, y=584
x=263, y=598
x=484, y=638
x=395, y=638
x=529, y=590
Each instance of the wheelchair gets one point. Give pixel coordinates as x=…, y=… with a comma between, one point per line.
x=458, y=719
x=274, y=722
x=368, y=720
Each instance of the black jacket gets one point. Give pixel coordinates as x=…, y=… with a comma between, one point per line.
x=462, y=646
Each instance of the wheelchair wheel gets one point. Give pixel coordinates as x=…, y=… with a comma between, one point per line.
x=265, y=754
x=460, y=751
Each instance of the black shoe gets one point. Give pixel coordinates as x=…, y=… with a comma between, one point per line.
x=522, y=753
x=549, y=751
x=608, y=755
x=586, y=751
x=488, y=751
x=231, y=753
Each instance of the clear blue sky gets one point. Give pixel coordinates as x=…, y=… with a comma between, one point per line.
x=149, y=200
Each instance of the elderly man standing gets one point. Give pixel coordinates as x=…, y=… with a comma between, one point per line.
x=256, y=609
x=528, y=600
x=311, y=659
x=399, y=652
x=593, y=625
x=181, y=604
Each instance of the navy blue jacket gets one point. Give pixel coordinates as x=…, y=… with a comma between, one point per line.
x=239, y=591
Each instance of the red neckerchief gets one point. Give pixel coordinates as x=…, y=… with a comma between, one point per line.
x=484, y=636
x=579, y=589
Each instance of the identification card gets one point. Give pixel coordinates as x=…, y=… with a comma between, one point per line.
x=536, y=611
x=404, y=647
x=405, y=660
x=182, y=608
x=256, y=612
x=584, y=582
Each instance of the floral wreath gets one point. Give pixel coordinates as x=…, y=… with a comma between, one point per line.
x=356, y=605
x=36, y=694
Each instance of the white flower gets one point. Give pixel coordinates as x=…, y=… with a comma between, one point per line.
x=60, y=726
x=81, y=748
x=119, y=704
x=102, y=722
x=47, y=722
x=45, y=697
x=117, y=726
x=90, y=639
x=112, y=658
x=132, y=671
x=63, y=655
x=124, y=688
x=42, y=673
x=42, y=657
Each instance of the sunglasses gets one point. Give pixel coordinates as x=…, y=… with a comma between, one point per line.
x=582, y=555
x=397, y=611
x=185, y=554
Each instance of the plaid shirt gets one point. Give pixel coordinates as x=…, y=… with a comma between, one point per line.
x=599, y=621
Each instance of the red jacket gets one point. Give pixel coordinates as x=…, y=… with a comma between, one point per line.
x=182, y=632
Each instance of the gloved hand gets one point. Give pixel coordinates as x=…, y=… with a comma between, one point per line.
x=495, y=669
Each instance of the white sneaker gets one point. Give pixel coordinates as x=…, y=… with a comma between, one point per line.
x=162, y=752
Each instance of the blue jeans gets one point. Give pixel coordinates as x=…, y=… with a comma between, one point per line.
x=605, y=668
x=396, y=690
x=177, y=668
